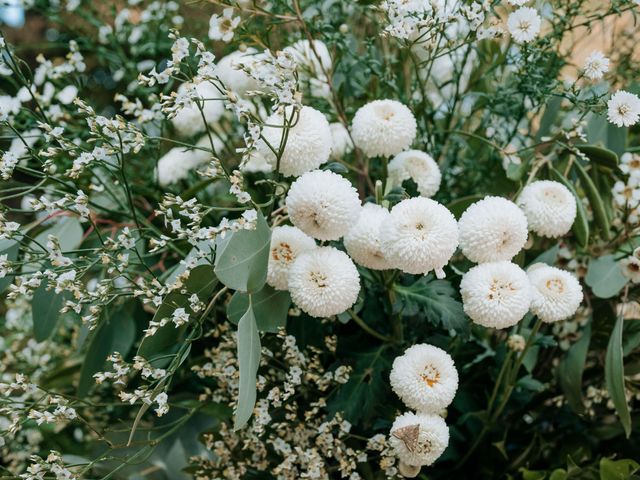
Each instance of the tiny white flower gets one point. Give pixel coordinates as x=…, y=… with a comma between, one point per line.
x=596, y=65
x=221, y=27
x=623, y=109
x=524, y=24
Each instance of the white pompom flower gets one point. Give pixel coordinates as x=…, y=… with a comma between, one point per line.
x=557, y=294
x=362, y=241
x=176, y=164
x=550, y=208
x=308, y=143
x=419, y=167
x=418, y=439
x=496, y=295
x=383, y=128
x=324, y=282
x=420, y=235
x=229, y=71
x=425, y=378
x=492, y=229
x=286, y=244
x=323, y=204
x=188, y=121
x=341, y=143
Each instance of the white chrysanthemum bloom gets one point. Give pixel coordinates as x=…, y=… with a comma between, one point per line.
x=341, y=143
x=595, y=66
x=383, y=128
x=550, y=208
x=418, y=439
x=286, y=244
x=362, y=241
x=228, y=69
x=308, y=142
x=188, y=121
x=556, y=294
x=630, y=164
x=324, y=282
x=420, y=235
x=496, y=295
x=492, y=229
x=524, y=24
x=256, y=163
x=419, y=167
x=314, y=64
x=623, y=109
x=176, y=164
x=425, y=378
x=323, y=204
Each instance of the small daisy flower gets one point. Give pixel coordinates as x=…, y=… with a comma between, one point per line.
x=631, y=268
x=221, y=27
x=524, y=24
x=623, y=109
x=595, y=66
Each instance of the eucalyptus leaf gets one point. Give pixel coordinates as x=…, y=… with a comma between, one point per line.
x=242, y=258
x=115, y=334
x=68, y=230
x=45, y=309
x=270, y=308
x=614, y=376
x=165, y=341
x=605, y=276
x=249, y=360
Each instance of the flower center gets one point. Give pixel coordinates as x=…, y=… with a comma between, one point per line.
x=226, y=25
x=499, y=289
x=430, y=375
x=320, y=279
x=524, y=25
x=282, y=252
x=624, y=109
x=555, y=285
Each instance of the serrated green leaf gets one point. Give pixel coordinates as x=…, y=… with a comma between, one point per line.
x=605, y=276
x=202, y=282
x=242, y=258
x=580, y=226
x=270, y=308
x=249, y=360
x=436, y=299
x=45, y=310
x=115, y=334
x=614, y=376
x=595, y=200
x=571, y=368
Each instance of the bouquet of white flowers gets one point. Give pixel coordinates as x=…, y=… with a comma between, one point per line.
x=314, y=239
